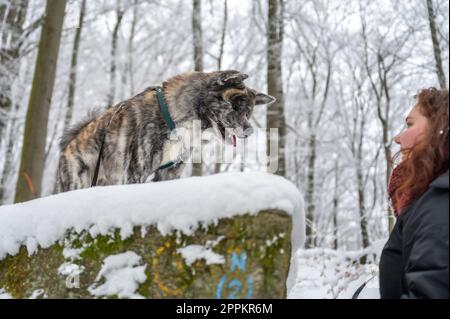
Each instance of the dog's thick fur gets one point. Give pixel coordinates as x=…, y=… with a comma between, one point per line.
x=137, y=137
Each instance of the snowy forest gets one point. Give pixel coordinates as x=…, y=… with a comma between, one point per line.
x=344, y=73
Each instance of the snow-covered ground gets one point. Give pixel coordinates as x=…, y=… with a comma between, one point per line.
x=331, y=274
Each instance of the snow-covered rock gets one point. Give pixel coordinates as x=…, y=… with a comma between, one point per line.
x=4, y=294
x=230, y=226
x=193, y=253
x=122, y=274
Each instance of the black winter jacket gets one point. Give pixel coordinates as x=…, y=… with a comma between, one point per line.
x=414, y=261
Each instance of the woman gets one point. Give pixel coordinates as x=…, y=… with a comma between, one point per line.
x=414, y=262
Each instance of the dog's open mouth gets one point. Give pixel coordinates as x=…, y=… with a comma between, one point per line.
x=227, y=133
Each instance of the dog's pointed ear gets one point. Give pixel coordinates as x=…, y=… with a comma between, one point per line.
x=228, y=79
x=263, y=99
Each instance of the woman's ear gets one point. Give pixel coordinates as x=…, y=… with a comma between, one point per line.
x=263, y=99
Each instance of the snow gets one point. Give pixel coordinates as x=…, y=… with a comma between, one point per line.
x=4, y=294
x=72, y=254
x=69, y=269
x=181, y=205
x=192, y=253
x=122, y=275
x=38, y=293
x=331, y=274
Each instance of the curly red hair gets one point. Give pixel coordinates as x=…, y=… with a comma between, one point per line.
x=428, y=159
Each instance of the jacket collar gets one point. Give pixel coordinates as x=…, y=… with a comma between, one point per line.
x=441, y=181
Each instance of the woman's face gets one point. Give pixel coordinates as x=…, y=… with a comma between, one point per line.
x=416, y=128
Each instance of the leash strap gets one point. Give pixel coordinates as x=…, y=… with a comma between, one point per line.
x=168, y=120
x=360, y=289
x=97, y=166
x=164, y=109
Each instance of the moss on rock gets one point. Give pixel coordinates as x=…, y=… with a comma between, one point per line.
x=256, y=250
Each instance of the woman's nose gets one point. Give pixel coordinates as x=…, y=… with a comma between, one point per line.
x=397, y=139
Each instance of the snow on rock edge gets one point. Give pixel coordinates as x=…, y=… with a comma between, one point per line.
x=174, y=205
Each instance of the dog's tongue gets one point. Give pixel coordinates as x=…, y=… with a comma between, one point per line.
x=234, y=140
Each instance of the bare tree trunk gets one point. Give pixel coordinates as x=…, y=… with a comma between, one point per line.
x=197, y=168
x=309, y=196
x=310, y=173
x=130, y=64
x=362, y=212
x=336, y=205
x=112, y=69
x=383, y=110
x=10, y=45
x=197, y=34
x=362, y=205
x=315, y=49
x=33, y=151
x=386, y=123
x=313, y=125
x=73, y=67
x=224, y=33
x=275, y=114
x=357, y=152
x=383, y=116
x=13, y=132
x=436, y=46
x=13, y=15
x=72, y=83
x=9, y=157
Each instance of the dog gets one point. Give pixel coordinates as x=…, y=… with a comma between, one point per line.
x=128, y=142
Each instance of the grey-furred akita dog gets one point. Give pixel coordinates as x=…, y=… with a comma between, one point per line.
x=136, y=139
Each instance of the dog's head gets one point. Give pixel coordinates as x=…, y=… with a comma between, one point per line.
x=230, y=104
